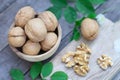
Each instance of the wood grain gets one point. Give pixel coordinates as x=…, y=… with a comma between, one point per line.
x=102, y=45
x=110, y=9
x=7, y=17
x=4, y=4
x=9, y=60
x=66, y=39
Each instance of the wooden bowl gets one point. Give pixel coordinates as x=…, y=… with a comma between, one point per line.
x=44, y=55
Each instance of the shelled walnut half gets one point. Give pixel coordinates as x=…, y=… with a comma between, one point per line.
x=81, y=70
x=83, y=47
x=78, y=60
x=104, y=62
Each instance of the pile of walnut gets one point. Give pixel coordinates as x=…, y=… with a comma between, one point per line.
x=78, y=60
x=104, y=62
x=33, y=33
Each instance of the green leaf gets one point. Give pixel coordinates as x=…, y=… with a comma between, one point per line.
x=97, y=1
x=85, y=7
x=78, y=22
x=16, y=74
x=59, y=75
x=76, y=30
x=56, y=11
x=35, y=70
x=59, y=3
x=92, y=16
x=70, y=14
x=47, y=69
x=76, y=35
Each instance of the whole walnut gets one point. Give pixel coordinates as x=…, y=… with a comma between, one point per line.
x=89, y=28
x=16, y=37
x=49, y=41
x=24, y=15
x=31, y=48
x=35, y=30
x=49, y=19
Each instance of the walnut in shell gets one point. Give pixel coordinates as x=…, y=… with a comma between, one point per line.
x=89, y=28
x=49, y=19
x=24, y=15
x=49, y=41
x=31, y=48
x=16, y=37
x=35, y=30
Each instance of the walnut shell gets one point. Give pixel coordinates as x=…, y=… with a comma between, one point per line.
x=16, y=37
x=49, y=41
x=89, y=28
x=24, y=15
x=49, y=19
x=35, y=30
x=31, y=48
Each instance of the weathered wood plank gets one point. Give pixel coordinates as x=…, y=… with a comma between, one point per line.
x=9, y=60
x=4, y=4
x=8, y=16
x=67, y=37
x=111, y=9
x=117, y=76
x=97, y=49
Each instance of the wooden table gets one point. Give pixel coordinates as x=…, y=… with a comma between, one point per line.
x=8, y=9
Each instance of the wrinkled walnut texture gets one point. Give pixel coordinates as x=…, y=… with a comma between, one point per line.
x=78, y=60
x=104, y=62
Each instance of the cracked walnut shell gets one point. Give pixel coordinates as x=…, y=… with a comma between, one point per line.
x=35, y=30
x=16, y=37
x=49, y=19
x=49, y=41
x=31, y=48
x=89, y=28
x=24, y=15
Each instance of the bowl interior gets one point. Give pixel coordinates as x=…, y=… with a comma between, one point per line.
x=42, y=54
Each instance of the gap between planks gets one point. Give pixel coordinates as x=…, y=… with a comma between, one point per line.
x=65, y=40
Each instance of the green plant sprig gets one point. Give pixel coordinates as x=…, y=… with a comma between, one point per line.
x=40, y=70
x=84, y=7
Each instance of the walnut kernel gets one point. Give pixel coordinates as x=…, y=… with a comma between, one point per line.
x=104, y=62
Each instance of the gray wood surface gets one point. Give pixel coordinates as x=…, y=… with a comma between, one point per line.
x=9, y=60
x=5, y=4
x=111, y=9
x=8, y=9
x=108, y=28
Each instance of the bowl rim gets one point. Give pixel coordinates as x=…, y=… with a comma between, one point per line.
x=21, y=54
